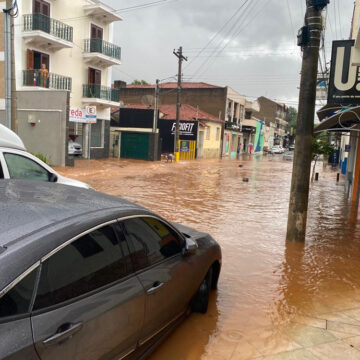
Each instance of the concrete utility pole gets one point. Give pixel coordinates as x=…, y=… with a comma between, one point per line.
x=180, y=56
x=10, y=80
x=156, y=106
x=299, y=196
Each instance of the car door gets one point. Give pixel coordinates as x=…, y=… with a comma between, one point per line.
x=16, y=340
x=89, y=304
x=18, y=166
x=165, y=274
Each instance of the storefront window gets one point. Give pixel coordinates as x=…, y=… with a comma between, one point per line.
x=97, y=136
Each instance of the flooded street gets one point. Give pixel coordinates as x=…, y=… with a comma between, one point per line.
x=266, y=286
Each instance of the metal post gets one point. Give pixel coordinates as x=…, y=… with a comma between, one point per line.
x=180, y=56
x=7, y=32
x=156, y=106
x=89, y=144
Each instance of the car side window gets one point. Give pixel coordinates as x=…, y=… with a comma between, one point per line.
x=21, y=167
x=89, y=263
x=150, y=241
x=17, y=300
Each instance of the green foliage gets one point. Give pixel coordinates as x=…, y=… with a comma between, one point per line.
x=321, y=146
x=139, y=82
x=291, y=118
x=42, y=157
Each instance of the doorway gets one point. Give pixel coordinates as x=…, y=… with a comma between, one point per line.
x=96, y=40
x=37, y=73
x=41, y=15
x=200, y=145
x=94, y=81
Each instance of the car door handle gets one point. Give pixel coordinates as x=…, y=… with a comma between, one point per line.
x=156, y=286
x=69, y=331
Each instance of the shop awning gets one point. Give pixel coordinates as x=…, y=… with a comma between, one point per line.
x=344, y=119
x=328, y=110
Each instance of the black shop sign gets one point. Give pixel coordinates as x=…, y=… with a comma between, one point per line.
x=344, y=82
x=188, y=131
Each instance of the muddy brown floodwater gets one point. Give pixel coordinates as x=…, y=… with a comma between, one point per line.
x=264, y=281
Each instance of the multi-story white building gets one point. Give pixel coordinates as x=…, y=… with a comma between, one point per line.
x=68, y=45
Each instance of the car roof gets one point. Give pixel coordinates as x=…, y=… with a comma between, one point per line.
x=9, y=139
x=36, y=217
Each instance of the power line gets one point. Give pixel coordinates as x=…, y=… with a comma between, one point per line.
x=239, y=29
x=240, y=15
x=219, y=31
x=290, y=17
x=123, y=10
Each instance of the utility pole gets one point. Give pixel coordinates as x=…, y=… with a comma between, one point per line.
x=309, y=40
x=10, y=80
x=180, y=56
x=156, y=106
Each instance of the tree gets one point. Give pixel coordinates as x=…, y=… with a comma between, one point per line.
x=321, y=146
x=291, y=118
x=139, y=82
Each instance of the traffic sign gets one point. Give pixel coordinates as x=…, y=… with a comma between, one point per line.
x=90, y=114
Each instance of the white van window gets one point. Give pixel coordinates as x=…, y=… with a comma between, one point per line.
x=21, y=167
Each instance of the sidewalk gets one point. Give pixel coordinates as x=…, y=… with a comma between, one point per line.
x=324, y=336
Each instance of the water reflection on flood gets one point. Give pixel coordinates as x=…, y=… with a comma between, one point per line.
x=264, y=281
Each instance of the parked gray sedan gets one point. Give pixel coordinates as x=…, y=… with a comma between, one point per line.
x=84, y=275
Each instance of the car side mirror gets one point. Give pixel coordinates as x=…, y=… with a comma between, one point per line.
x=190, y=246
x=53, y=177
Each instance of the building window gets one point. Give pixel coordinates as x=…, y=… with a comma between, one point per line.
x=97, y=134
x=207, y=133
x=217, y=134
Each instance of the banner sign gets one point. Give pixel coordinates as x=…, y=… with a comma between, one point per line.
x=184, y=146
x=344, y=82
x=186, y=128
x=86, y=116
x=77, y=115
x=188, y=132
x=322, y=88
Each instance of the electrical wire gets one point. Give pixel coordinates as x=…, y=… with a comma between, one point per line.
x=291, y=19
x=240, y=28
x=339, y=17
x=229, y=33
x=216, y=34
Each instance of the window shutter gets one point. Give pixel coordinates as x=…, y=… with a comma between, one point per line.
x=30, y=59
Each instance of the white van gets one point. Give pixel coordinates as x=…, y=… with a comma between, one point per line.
x=17, y=163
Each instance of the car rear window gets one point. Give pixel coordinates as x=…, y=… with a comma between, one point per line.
x=17, y=300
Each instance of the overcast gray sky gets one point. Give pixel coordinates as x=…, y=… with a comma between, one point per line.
x=251, y=44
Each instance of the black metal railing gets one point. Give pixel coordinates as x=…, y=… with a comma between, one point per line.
x=103, y=47
x=48, y=25
x=46, y=80
x=229, y=125
x=101, y=92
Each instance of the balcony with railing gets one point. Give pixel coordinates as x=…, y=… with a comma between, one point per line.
x=101, y=95
x=43, y=31
x=46, y=80
x=232, y=125
x=101, y=12
x=101, y=53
